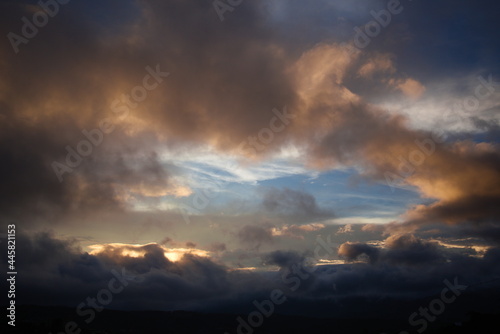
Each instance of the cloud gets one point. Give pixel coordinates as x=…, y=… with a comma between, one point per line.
x=283, y=259
x=345, y=229
x=297, y=231
x=190, y=244
x=407, y=249
x=351, y=251
x=224, y=82
x=404, y=249
x=382, y=147
x=59, y=268
x=379, y=63
x=217, y=247
x=73, y=86
x=292, y=202
x=107, y=180
x=333, y=125
x=255, y=236
x=487, y=231
x=410, y=87
x=165, y=241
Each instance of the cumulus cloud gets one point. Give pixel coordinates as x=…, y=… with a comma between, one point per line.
x=283, y=259
x=352, y=250
x=407, y=249
x=403, y=249
x=59, y=268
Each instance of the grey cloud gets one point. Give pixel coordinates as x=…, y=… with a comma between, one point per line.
x=68, y=276
x=255, y=236
x=405, y=249
x=352, y=251
x=217, y=247
x=283, y=259
x=292, y=202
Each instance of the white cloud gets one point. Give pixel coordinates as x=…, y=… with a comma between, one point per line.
x=443, y=106
x=205, y=166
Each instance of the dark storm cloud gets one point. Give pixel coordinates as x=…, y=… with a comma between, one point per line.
x=98, y=183
x=50, y=98
x=488, y=231
x=26, y=172
x=407, y=249
x=478, y=209
x=283, y=259
x=57, y=272
x=351, y=251
x=403, y=249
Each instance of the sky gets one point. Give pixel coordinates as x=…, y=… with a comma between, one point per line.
x=208, y=148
